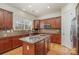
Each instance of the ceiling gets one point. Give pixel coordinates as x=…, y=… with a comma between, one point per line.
x=38, y=9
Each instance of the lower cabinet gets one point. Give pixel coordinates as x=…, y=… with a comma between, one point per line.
x=16, y=42
x=2, y=46
x=7, y=44
x=28, y=49
x=40, y=48
x=56, y=38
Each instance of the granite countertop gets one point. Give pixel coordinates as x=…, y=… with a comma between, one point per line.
x=10, y=34
x=35, y=38
x=50, y=31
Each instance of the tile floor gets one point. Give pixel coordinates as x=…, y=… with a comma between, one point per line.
x=55, y=49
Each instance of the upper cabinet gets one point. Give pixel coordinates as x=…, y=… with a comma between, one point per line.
x=5, y=20
x=1, y=19
x=56, y=22
x=36, y=24
x=51, y=23
x=8, y=19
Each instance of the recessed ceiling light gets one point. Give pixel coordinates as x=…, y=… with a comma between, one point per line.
x=48, y=7
x=30, y=6
x=37, y=11
x=24, y=9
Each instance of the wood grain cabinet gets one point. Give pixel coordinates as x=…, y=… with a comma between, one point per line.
x=28, y=49
x=16, y=42
x=1, y=19
x=7, y=44
x=8, y=19
x=40, y=48
x=5, y=19
x=36, y=24
x=56, y=38
x=1, y=46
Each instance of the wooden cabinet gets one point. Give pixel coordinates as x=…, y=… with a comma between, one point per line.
x=55, y=38
x=8, y=19
x=5, y=45
x=8, y=44
x=47, y=45
x=58, y=22
x=1, y=46
x=5, y=19
x=16, y=42
x=1, y=19
x=54, y=22
x=36, y=24
x=28, y=49
x=40, y=48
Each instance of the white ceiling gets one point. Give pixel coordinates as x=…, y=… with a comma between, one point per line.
x=39, y=9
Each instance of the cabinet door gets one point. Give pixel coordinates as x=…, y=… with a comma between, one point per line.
x=1, y=46
x=16, y=42
x=7, y=44
x=53, y=39
x=58, y=38
x=28, y=49
x=36, y=24
x=47, y=45
x=52, y=22
x=8, y=19
x=40, y=48
x=1, y=19
x=58, y=22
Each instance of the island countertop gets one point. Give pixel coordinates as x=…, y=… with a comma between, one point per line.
x=35, y=38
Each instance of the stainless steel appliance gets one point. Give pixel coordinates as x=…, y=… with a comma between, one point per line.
x=73, y=32
x=77, y=30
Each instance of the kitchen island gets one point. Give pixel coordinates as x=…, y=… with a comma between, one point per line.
x=36, y=45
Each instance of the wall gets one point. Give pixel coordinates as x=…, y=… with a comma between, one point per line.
x=54, y=14
x=68, y=13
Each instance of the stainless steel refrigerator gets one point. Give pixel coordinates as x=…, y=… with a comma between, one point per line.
x=77, y=29
x=74, y=31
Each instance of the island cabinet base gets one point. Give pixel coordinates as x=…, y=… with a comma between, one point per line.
x=28, y=49
x=38, y=48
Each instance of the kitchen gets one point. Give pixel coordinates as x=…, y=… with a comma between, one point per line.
x=28, y=29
